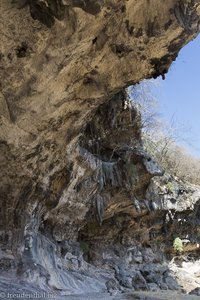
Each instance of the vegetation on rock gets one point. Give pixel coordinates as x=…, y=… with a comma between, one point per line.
x=178, y=245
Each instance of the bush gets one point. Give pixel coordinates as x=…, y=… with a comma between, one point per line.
x=178, y=245
x=170, y=187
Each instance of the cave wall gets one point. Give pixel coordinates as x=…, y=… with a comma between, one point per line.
x=69, y=139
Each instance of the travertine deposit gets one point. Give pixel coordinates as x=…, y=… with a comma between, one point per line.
x=80, y=210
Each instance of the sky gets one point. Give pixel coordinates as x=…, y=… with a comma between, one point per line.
x=179, y=95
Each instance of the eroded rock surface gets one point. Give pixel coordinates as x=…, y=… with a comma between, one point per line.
x=74, y=177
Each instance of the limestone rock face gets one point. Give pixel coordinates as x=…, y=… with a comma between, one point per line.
x=73, y=171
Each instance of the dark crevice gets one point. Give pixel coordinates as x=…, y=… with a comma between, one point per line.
x=21, y=51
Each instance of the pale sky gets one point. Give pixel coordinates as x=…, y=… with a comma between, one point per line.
x=179, y=94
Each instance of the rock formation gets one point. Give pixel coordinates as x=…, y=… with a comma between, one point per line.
x=77, y=209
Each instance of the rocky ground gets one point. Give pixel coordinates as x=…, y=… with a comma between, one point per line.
x=20, y=291
x=187, y=274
